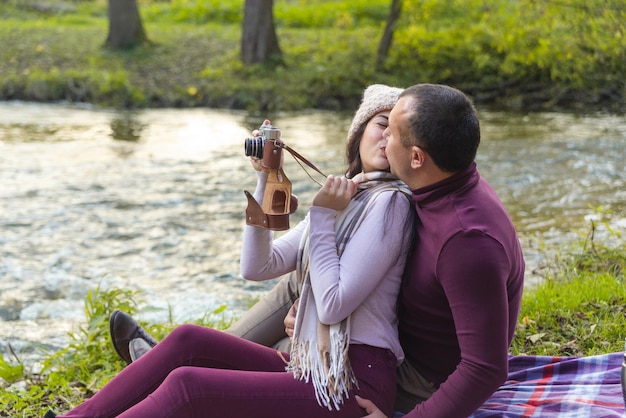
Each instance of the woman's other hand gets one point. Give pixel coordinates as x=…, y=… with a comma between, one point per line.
x=290, y=319
x=336, y=193
x=370, y=409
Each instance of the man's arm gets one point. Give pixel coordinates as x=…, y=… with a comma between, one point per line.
x=473, y=269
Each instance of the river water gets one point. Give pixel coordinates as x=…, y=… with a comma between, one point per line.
x=153, y=200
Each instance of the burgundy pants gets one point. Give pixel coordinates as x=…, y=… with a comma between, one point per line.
x=200, y=372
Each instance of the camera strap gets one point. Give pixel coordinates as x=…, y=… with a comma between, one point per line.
x=298, y=157
x=278, y=194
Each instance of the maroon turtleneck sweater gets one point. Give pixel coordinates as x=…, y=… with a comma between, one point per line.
x=461, y=297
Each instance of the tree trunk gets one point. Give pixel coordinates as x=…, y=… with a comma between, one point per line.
x=385, y=41
x=125, y=28
x=259, y=43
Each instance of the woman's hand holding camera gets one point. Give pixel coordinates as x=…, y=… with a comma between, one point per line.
x=336, y=193
x=256, y=163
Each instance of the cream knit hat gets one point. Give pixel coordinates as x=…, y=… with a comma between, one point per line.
x=376, y=98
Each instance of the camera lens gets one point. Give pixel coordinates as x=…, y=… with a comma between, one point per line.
x=253, y=147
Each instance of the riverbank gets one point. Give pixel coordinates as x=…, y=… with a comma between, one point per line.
x=53, y=51
x=578, y=310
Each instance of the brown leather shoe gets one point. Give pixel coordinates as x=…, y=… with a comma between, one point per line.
x=123, y=329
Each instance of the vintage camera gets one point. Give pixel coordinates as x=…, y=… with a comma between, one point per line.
x=254, y=147
x=278, y=202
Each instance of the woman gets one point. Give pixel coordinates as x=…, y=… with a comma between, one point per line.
x=349, y=256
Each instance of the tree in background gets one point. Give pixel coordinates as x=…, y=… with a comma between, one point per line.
x=385, y=41
x=259, y=43
x=125, y=28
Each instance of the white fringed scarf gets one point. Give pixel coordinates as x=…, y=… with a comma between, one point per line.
x=320, y=352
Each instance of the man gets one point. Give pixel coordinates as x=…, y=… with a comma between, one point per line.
x=462, y=292
x=461, y=296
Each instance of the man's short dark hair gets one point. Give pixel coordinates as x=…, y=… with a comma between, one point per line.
x=444, y=123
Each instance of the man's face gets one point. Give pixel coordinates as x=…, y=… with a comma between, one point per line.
x=398, y=155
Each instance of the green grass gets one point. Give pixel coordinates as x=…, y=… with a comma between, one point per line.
x=523, y=54
x=579, y=309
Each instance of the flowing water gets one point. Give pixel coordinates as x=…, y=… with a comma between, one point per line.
x=153, y=200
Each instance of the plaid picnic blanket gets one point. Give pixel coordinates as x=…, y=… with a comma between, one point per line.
x=546, y=387
x=542, y=386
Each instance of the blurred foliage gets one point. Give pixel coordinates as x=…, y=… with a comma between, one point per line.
x=524, y=54
x=575, y=42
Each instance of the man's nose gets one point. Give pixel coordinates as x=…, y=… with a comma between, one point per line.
x=386, y=134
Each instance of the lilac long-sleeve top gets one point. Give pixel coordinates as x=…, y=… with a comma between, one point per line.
x=461, y=298
x=364, y=281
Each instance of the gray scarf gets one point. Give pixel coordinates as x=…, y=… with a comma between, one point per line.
x=320, y=352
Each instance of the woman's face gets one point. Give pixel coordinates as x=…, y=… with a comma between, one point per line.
x=372, y=145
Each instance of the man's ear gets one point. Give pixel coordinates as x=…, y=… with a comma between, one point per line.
x=418, y=157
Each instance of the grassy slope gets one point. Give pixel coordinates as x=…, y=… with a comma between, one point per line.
x=496, y=54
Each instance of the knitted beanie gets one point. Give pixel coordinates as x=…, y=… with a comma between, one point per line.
x=376, y=98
